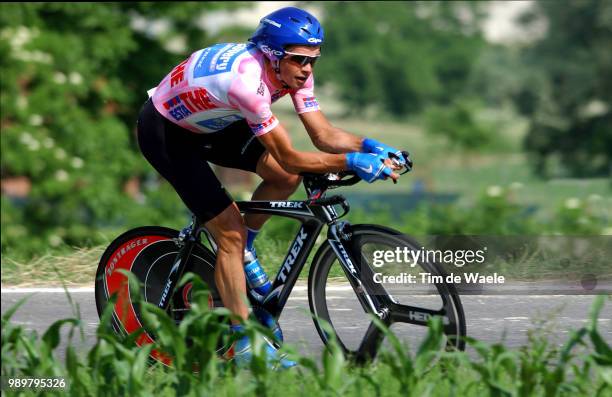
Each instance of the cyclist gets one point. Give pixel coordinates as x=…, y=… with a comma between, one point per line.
x=215, y=107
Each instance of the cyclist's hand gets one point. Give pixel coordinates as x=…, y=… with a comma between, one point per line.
x=369, y=166
x=373, y=146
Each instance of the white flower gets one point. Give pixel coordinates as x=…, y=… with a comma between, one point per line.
x=33, y=56
x=61, y=175
x=48, y=142
x=572, y=203
x=159, y=26
x=21, y=37
x=60, y=154
x=77, y=162
x=176, y=45
x=18, y=38
x=59, y=78
x=55, y=240
x=36, y=120
x=75, y=78
x=34, y=145
x=593, y=109
x=25, y=138
x=494, y=191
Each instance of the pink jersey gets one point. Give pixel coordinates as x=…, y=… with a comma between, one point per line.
x=219, y=85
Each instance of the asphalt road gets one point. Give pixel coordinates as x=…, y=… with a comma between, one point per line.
x=490, y=318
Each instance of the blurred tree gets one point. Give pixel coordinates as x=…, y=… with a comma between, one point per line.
x=569, y=95
x=399, y=56
x=73, y=78
x=459, y=124
x=498, y=75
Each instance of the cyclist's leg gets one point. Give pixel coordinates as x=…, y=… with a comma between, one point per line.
x=229, y=233
x=237, y=147
x=177, y=155
x=277, y=184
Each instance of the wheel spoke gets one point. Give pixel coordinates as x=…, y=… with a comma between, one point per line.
x=369, y=345
x=367, y=278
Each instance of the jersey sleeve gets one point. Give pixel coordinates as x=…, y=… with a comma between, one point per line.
x=251, y=96
x=304, y=99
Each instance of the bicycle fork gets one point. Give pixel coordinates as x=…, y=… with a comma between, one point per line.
x=338, y=235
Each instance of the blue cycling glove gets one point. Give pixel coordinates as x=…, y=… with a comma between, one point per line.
x=368, y=166
x=373, y=146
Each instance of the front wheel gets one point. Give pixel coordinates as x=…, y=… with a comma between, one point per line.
x=408, y=306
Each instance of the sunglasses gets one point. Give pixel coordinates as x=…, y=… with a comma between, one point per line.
x=302, y=59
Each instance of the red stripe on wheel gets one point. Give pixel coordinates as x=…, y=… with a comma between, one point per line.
x=123, y=258
x=186, y=290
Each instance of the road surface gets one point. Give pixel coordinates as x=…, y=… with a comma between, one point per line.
x=490, y=318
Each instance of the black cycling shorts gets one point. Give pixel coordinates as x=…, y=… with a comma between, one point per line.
x=181, y=156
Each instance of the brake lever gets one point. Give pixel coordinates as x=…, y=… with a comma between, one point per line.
x=397, y=163
x=395, y=159
x=408, y=162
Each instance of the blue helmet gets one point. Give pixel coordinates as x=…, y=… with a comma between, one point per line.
x=287, y=26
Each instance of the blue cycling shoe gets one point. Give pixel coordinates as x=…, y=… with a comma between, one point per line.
x=241, y=352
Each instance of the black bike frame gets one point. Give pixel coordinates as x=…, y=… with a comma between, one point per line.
x=312, y=215
x=312, y=218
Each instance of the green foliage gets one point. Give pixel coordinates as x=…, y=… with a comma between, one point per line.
x=498, y=75
x=571, y=116
x=74, y=76
x=116, y=366
x=459, y=124
x=399, y=57
x=496, y=212
x=578, y=217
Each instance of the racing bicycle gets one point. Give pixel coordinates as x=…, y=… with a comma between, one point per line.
x=345, y=287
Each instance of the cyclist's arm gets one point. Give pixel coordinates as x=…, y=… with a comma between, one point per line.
x=328, y=138
x=278, y=144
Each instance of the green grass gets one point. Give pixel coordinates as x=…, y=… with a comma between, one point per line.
x=114, y=366
x=511, y=171
x=76, y=268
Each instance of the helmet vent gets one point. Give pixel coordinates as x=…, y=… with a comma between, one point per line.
x=294, y=19
x=306, y=30
x=309, y=20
